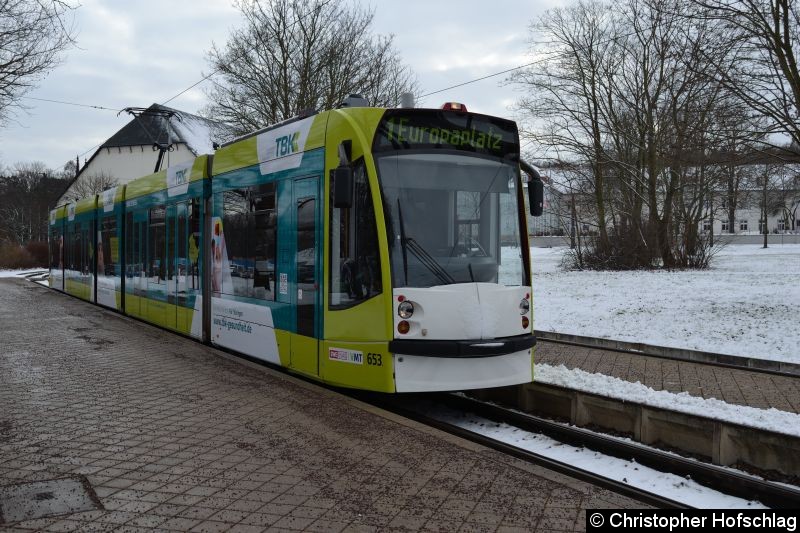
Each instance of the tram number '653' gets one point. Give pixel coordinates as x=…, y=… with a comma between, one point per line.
x=374, y=359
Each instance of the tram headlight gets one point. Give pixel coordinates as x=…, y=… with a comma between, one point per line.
x=524, y=306
x=405, y=309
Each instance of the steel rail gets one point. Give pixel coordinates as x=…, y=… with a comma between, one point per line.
x=719, y=478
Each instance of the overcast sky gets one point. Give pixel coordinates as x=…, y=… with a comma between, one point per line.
x=133, y=54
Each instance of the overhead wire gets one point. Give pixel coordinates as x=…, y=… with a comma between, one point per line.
x=71, y=103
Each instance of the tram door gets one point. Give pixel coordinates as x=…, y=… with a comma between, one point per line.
x=305, y=346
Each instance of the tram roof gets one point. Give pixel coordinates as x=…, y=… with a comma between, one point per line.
x=173, y=176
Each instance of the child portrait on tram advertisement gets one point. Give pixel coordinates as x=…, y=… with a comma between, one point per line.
x=220, y=265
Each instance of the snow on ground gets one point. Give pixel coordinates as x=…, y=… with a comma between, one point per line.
x=670, y=486
x=747, y=303
x=769, y=419
x=19, y=273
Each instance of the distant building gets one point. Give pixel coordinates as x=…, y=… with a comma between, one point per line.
x=133, y=151
x=570, y=204
x=782, y=205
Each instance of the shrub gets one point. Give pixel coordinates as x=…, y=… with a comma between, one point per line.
x=15, y=256
x=40, y=252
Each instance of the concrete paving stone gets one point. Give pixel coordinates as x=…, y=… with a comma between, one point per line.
x=133, y=529
x=204, y=491
x=179, y=524
x=262, y=496
x=37, y=524
x=228, y=515
x=327, y=526
x=295, y=523
x=244, y=528
x=406, y=522
x=473, y=527
x=137, y=506
x=555, y=524
x=248, y=506
x=64, y=525
x=116, y=517
x=261, y=519
x=201, y=513
x=290, y=499
x=441, y=526
x=148, y=520
x=168, y=509
x=113, y=504
x=210, y=527
x=512, y=529
x=454, y=515
x=277, y=508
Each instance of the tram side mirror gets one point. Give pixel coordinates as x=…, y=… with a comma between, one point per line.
x=536, y=196
x=342, y=178
x=535, y=189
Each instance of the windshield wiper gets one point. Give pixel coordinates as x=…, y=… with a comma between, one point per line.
x=403, y=240
x=429, y=262
x=407, y=243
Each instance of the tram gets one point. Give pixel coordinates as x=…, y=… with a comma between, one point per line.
x=371, y=248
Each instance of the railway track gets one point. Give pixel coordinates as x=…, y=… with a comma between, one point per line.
x=722, y=479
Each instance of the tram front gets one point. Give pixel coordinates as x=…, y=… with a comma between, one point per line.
x=458, y=249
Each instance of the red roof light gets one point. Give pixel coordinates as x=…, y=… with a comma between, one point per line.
x=454, y=106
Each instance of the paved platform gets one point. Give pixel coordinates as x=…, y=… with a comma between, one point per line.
x=173, y=435
x=742, y=387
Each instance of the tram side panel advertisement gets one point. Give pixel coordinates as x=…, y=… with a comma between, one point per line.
x=242, y=326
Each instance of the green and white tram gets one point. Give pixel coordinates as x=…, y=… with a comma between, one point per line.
x=380, y=249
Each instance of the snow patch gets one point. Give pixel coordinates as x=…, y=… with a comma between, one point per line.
x=746, y=304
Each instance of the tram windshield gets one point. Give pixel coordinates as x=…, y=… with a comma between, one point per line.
x=452, y=217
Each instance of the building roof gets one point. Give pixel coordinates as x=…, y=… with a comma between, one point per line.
x=153, y=126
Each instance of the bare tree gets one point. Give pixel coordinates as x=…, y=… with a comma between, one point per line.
x=26, y=197
x=33, y=34
x=90, y=185
x=293, y=56
x=566, y=92
x=623, y=88
x=763, y=72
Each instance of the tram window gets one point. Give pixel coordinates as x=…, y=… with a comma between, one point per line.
x=88, y=258
x=181, y=242
x=355, y=260
x=156, y=265
x=76, y=264
x=194, y=243
x=56, y=248
x=130, y=238
x=249, y=229
x=107, y=248
x=170, y=260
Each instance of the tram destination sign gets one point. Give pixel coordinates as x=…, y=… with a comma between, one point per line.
x=414, y=129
